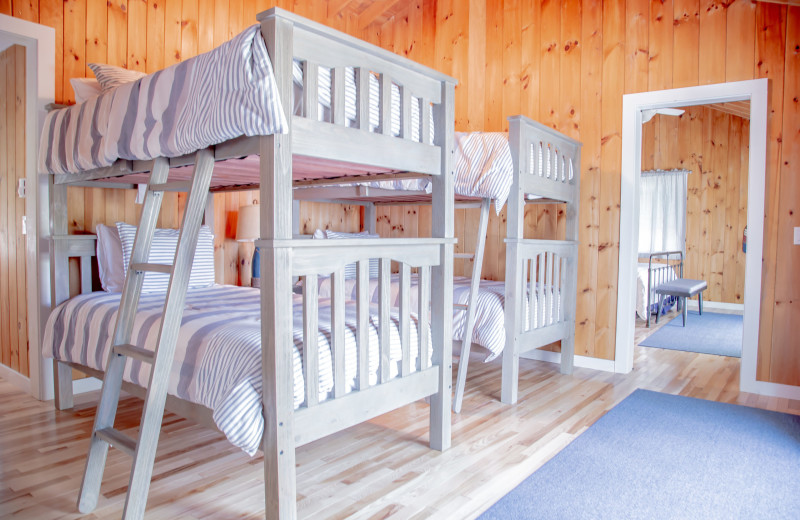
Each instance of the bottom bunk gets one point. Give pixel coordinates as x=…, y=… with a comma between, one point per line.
x=218, y=356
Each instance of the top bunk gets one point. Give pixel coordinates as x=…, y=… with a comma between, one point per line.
x=543, y=160
x=231, y=97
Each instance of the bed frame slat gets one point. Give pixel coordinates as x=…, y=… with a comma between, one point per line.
x=405, y=321
x=423, y=317
x=384, y=324
x=311, y=339
x=338, y=96
x=337, y=332
x=311, y=90
x=362, y=328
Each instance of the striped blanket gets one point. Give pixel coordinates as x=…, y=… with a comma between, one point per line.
x=489, y=330
x=205, y=100
x=218, y=354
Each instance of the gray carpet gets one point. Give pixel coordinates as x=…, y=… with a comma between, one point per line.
x=711, y=333
x=660, y=456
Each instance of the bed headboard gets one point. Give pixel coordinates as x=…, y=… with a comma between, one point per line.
x=65, y=247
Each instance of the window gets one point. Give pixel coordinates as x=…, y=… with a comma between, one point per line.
x=662, y=211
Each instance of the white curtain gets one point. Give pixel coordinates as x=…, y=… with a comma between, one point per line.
x=662, y=211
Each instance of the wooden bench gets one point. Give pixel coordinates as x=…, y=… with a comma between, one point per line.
x=681, y=288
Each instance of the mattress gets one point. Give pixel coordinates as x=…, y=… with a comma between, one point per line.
x=218, y=354
x=489, y=330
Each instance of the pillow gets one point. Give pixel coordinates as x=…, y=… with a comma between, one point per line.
x=109, y=258
x=162, y=251
x=350, y=270
x=85, y=88
x=110, y=76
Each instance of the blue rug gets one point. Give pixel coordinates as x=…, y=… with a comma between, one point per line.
x=657, y=456
x=711, y=333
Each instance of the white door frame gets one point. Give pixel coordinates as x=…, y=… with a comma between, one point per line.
x=40, y=65
x=756, y=91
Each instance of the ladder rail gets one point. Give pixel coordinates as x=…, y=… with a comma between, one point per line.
x=469, y=325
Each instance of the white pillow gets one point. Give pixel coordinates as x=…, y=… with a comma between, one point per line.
x=109, y=258
x=350, y=270
x=110, y=76
x=85, y=88
x=162, y=251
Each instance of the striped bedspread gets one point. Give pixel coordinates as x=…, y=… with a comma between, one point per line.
x=483, y=169
x=211, y=98
x=489, y=330
x=218, y=355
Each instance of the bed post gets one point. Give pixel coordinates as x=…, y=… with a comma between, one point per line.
x=572, y=232
x=370, y=218
x=514, y=233
x=442, y=280
x=276, y=295
x=59, y=287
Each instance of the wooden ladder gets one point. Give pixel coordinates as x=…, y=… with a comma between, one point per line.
x=469, y=324
x=143, y=449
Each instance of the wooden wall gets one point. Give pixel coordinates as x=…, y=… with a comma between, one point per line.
x=565, y=63
x=715, y=147
x=13, y=294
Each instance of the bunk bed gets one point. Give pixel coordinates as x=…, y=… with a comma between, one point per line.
x=483, y=178
x=541, y=275
x=365, y=375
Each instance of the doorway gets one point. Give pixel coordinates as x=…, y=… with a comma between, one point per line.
x=693, y=218
x=38, y=84
x=754, y=91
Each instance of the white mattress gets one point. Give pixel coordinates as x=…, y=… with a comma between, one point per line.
x=489, y=330
x=218, y=355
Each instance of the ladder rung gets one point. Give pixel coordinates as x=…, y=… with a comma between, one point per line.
x=152, y=268
x=138, y=353
x=183, y=186
x=460, y=305
x=464, y=255
x=118, y=440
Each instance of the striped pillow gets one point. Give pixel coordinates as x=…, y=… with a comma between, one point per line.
x=350, y=270
x=162, y=251
x=110, y=76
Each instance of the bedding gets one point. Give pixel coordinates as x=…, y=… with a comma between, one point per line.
x=218, y=354
x=489, y=330
x=208, y=99
x=641, y=291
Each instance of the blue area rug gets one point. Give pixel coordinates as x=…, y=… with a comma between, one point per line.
x=711, y=333
x=657, y=456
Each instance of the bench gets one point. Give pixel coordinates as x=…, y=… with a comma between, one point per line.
x=681, y=288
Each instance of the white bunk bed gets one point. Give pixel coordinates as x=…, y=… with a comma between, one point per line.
x=477, y=303
x=541, y=275
x=310, y=151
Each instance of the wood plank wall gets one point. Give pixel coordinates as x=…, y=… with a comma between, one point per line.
x=13, y=294
x=717, y=191
x=564, y=63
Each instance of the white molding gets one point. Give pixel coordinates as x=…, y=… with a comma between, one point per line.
x=606, y=365
x=721, y=307
x=756, y=91
x=87, y=384
x=771, y=389
x=15, y=378
x=39, y=42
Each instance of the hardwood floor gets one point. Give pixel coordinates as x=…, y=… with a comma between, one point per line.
x=379, y=469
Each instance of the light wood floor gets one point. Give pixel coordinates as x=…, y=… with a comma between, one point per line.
x=379, y=469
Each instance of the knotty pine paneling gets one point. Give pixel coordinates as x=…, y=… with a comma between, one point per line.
x=565, y=63
x=716, y=191
x=13, y=294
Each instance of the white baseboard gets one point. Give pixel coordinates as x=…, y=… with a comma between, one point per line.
x=721, y=307
x=771, y=389
x=87, y=384
x=15, y=378
x=606, y=365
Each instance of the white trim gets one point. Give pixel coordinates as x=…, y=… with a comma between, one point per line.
x=15, y=378
x=771, y=389
x=606, y=365
x=721, y=307
x=87, y=384
x=40, y=44
x=632, y=105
